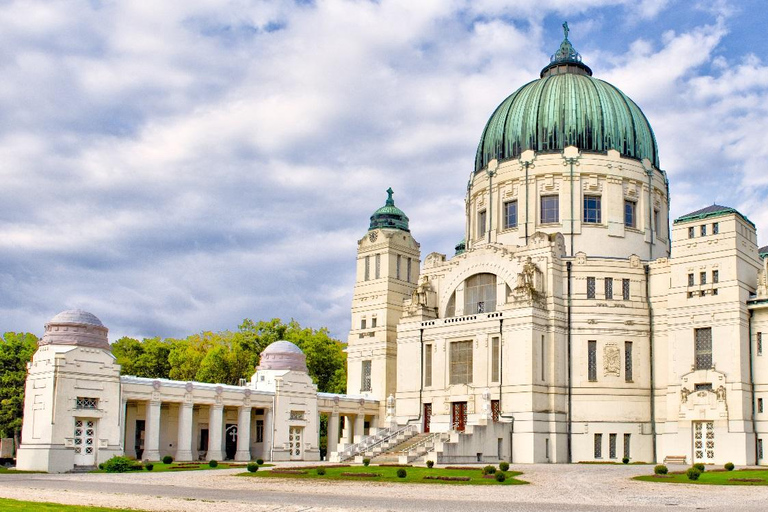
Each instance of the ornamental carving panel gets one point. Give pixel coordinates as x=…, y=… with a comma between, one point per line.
x=612, y=360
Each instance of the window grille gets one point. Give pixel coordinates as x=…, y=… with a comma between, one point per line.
x=704, y=230
x=702, y=278
x=627, y=444
x=378, y=266
x=592, y=210
x=408, y=271
x=612, y=446
x=592, y=360
x=691, y=232
x=550, y=209
x=628, y=361
x=495, y=360
x=362, y=323
x=759, y=448
x=87, y=403
x=373, y=322
x=367, y=268
x=760, y=343
x=365, y=385
x=480, y=294
x=715, y=228
x=715, y=276
x=590, y=287
x=691, y=280
x=461, y=362
x=510, y=214
x=707, y=386
x=397, y=266
x=495, y=410
x=259, y=431
x=703, y=340
x=481, y=218
x=608, y=287
x=759, y=405
x=428, y=365
x=296, y=415
x=630, y=207
x=625, y=289
x=598, y=446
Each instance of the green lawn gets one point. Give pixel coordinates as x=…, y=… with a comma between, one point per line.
x=389, y=474
x=6, y=470
x=175, y=467
x=28, y=506
x=713, y=477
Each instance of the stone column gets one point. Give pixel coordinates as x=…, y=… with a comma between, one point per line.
x=215, y=434
x=152, y=432
x=374, y=428
x=347, y=434
x=243, y=434
x=359, y=428
x=123, y=424
x=269, y=416
x=184, y=439
x=333, y=432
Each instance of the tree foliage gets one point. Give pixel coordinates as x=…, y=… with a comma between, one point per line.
x=16, y=351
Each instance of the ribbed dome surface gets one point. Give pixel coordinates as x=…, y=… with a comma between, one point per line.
x=389, y=216
x=567, y=107
x=76, y=316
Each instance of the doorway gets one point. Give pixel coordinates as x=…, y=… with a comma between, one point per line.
x=85, y=434
x=704, y=442
x=230, y=445
x=459, y=416
x=294, y=442
x=427, y=417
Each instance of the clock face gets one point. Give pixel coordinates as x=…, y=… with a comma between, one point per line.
x=372, y=236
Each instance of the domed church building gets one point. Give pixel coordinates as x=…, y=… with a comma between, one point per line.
x=574, y=322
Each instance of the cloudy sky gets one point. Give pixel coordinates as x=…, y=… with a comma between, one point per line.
x=175, y=167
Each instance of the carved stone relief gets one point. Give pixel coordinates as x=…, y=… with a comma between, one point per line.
x=612, y=360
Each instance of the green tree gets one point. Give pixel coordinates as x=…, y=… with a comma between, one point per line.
x=148, y=358
x=16, y=350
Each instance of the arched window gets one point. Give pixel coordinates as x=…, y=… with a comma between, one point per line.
x=450, y=309
x=480, y=294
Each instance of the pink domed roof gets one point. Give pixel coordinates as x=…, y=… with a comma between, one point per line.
x=76, y=327
x=283, y=355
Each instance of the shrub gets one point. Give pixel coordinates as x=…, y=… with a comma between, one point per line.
x=252, y=467
x=729, y=466
x=504, y=466
x=101, y=466
x=489, y=470
x=213, y=463
x=320, y=471
x=693, y=473
x=149, y=466
x=661, y=469
x=500, y=477
x=118, y=464
x=625, y=460
x=430, y=463
x=401, y=473
x=366, y=461
x=167, y=459
x=260, y=462
x=700, y=467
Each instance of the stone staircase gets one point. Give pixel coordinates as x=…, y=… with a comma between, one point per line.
x=82, y=469
x=410, y=450
x=371, y=446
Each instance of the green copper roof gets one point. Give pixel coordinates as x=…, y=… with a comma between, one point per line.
x=567, y=107
x=461, y=247
x=763, y=252
x=715, y=210
x=389, y=216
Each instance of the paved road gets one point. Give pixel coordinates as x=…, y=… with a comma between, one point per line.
x=553, y=487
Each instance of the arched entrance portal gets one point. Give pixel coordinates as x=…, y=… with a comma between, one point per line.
x=231, y=441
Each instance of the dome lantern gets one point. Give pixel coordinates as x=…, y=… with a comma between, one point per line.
x=389, y=216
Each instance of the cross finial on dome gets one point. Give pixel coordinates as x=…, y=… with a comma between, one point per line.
x=566, y=29
x=390, y=201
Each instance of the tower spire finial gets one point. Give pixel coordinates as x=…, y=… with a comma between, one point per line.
x=390, y=192
x=566, y=30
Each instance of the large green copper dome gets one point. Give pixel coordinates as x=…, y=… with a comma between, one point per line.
x=389, y=216
x=567, y=107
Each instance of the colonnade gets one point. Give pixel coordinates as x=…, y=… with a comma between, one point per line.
x=353, y=432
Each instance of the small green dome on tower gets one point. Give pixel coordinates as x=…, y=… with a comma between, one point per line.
x=566, y=106
x=389, y=216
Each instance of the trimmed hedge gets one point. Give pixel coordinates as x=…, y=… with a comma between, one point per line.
x=213, y=463
x=729, y=466
x=693, y=473
x=504, y=466
x=167, y=459
x=252, y=467
x=401, y=473
x=118, y=464
x=661, y=469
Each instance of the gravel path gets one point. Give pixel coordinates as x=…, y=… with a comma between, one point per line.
x=553, y=487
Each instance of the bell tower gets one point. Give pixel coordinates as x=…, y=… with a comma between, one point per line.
x=387, y=273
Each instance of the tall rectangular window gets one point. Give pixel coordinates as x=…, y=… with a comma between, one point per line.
x=656, y=225
x=461, y=362
x=630, y=214
x=691, y=232
x=550, y=209
x=704, y=230
x=427, y=365
x=760, y=405
x=592, y=360
x=495, y=359
x=543, y=358
x=481, y=218
x=612, y=446
x=592, y=210
x=759, y=449
x=628, y=361
x=598, y=446
x=362, y=323
x=715, y=228
x=702, y=278
x=691, y=280
x=378, y=266
x=510, y=214
x=590, y=287
x=625, y=289
x=759, y=344
x=715, y=276
x=608, y=287
x=397, y=266
x=259, y=431
x=408, y=271
x=703, y=348
x=373, y=322
x=365, y=384
x=367, y=268
x=627, y=444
